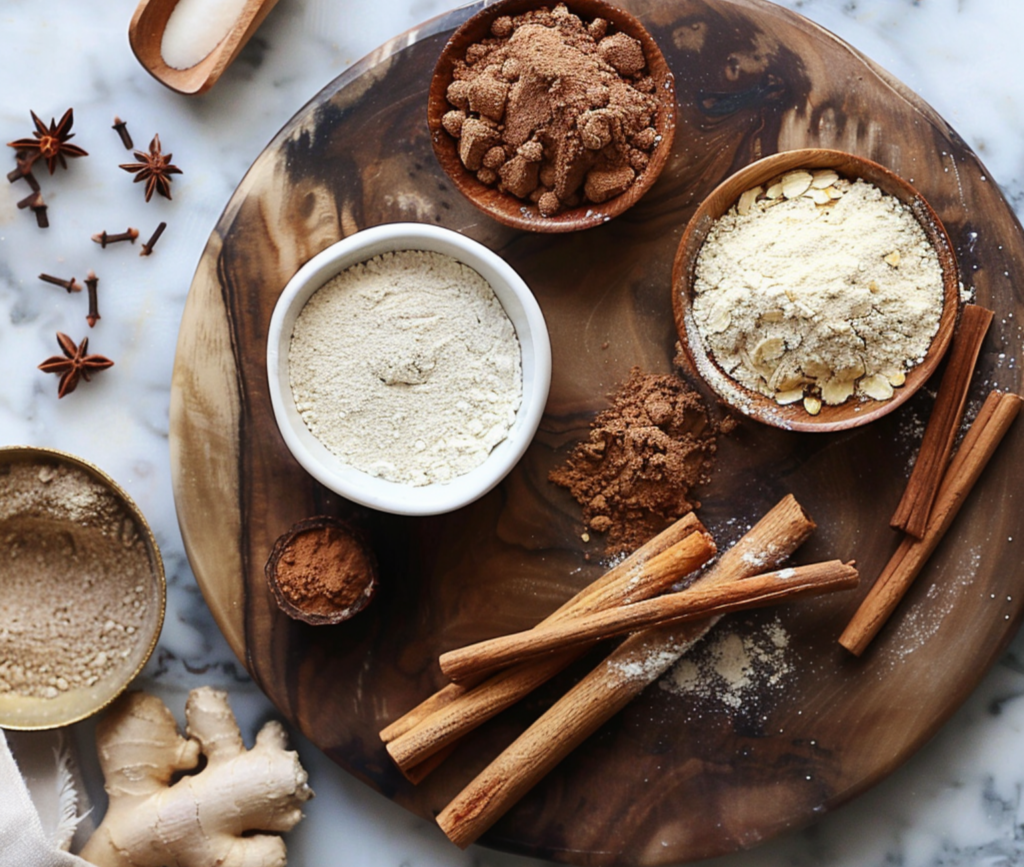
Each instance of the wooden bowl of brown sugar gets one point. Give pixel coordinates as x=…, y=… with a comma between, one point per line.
x=82, y=589
x=824, y=314
x=552, y=117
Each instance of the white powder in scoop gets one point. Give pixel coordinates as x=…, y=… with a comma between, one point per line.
x=833, y=292
x=195, y=28
x=407, y=367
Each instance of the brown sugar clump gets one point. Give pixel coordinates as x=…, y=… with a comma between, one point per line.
x=634, y=473
x=321, y=571
x=554, y=110
x=624, y=53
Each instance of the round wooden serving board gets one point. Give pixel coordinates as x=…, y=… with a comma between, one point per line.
x=674, y=776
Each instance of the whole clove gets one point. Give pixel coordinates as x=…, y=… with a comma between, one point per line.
x=91, y=284
x=38, y=206
x=103, y=238
x=23, y=171
x=71, y=285
x=122, y=130
x=147, y=248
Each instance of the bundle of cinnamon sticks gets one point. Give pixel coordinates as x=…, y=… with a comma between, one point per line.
x=940, y=481
x=633, y=599
x=494, y=674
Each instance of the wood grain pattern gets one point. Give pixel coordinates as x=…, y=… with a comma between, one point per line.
x=671, y=777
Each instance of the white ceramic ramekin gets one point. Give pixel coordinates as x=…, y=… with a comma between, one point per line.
x=520, y=306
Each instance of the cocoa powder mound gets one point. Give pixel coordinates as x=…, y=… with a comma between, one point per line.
x=634, y=473
x=553, y=110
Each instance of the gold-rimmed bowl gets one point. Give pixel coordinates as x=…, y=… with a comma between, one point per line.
x=31, y=713
x=855, y=411
x=511, y=210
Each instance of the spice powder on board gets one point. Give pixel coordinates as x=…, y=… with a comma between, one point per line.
x=634, y=473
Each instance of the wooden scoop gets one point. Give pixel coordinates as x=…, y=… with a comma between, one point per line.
x=146, y=31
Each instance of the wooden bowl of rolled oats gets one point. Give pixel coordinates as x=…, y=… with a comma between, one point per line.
x=815, y=290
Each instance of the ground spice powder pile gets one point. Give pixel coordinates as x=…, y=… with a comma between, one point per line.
x=819, y=289
x=76, y=587
x=407, y=367
x=634, y=473
x=323, y=570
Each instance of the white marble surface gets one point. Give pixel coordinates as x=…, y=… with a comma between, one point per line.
x=957, y=802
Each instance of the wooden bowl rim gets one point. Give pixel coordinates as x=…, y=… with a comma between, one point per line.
x=855, y=411
x=504, y=207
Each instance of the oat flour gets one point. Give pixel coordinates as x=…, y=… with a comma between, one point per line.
x=76, y=587
x=407, y=367
x=816, y=289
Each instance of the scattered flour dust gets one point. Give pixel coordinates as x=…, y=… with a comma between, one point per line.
x=920, y=622
x=407, y=367
x=731, y=670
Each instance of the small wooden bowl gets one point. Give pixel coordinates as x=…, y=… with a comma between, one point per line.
x=511, y=210
x=320, y=612
x=856, y=411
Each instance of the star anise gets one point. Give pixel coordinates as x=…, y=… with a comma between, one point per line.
x=75, y=364
x=51, y=143
x=153, y=168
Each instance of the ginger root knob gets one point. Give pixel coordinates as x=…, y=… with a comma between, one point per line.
x=230, y=813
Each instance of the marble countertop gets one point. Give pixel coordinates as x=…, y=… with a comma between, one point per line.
x=957, y=802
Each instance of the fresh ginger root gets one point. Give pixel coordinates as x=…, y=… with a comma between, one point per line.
x=200, y=820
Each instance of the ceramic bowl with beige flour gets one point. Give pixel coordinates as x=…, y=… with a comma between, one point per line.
x=408, y=368
x=815, y=290
x=82, y=589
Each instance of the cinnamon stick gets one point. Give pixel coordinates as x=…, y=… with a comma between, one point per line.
x=911, y=514
x=636, y=578
x=638, y=661
x=784, y=585
x=471, y=708
x=586, y=600
x=980, y=443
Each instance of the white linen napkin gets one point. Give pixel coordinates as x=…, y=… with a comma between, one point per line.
x=23, y=840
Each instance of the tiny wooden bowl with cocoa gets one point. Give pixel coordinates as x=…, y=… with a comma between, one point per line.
x=856, y=410
x=511, y=210
x=319, y=609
